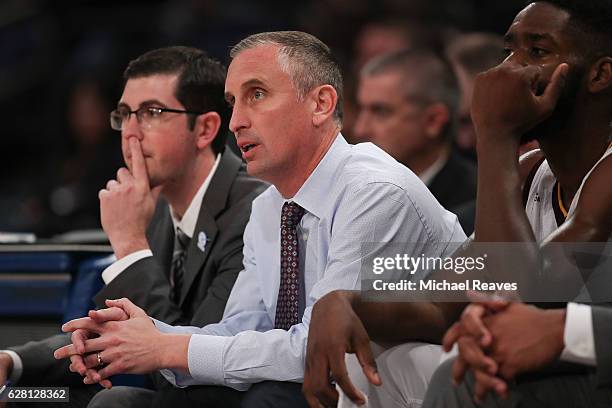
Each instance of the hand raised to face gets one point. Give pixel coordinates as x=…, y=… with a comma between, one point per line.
x=507, y=102
x=127, y=205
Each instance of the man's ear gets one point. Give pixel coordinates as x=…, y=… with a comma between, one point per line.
x=206, y=128
x=600, y=75
x=324, y=100
x=436, y=117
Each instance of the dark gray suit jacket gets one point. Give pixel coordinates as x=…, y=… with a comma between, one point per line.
x=209, y=274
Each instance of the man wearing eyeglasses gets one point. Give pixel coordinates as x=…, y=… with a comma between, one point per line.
x=177, y=256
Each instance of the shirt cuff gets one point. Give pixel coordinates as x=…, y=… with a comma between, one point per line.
x=119, y=266
x=578, y=335
x=205, y=358
x=17, y=365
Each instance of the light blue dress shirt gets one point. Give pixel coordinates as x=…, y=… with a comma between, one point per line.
x=357, y=194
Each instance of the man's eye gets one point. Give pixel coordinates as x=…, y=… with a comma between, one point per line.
x=258, y=94
x=153, y=112
x=538, y=52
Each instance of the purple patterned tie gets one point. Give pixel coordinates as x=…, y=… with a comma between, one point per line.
x=287, y=305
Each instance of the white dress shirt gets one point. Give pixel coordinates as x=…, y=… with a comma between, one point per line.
x=356, y=195
x=578, y=335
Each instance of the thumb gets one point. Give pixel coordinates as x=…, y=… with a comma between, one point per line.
x=124, y=303
x=553, y=90
x=106, y=315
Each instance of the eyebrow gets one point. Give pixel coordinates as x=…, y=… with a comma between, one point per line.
x=533, y=37
x=147, y=102
x=229, y=97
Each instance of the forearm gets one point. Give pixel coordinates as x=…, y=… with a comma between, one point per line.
x=403, y=321
x=173, y=351
x=500, y=216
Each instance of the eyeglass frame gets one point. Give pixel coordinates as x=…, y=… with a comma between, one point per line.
x=147, y=108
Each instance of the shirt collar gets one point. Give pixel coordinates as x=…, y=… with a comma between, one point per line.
x=315, y=190
x=187, y=224
x=428, y=175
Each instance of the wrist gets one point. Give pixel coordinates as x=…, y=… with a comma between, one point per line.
x=557, y=319
x=491, y=143
x=124, y=247
x=173, y=351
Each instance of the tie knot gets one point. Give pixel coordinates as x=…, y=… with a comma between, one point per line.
x=292, y=214
x=182, y=240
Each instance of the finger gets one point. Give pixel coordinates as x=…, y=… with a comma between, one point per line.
x=83, y=323
x=458, y=370
x=485, y=383
x=124, y=303
x=471, y=320
x=451, y=336
x=78, y=338
x=339, y=373
x=92, y=376
x=107, y=315
x=328, y=395
x=473, y=356
x=553, y=90
x=77, y=364
x=365, y=357
x=112, y=185
x=139, y=168
x=124, y=175
x=112, y=369
x=97, y=344
x=317, y=381
x=104, y=383
x=313, y=402
x=65, y=352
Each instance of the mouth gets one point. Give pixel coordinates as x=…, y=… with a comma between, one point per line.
x=246, y=147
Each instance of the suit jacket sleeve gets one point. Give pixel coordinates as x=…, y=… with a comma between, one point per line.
x=602, y=333
x=40, y=368
x=145, y=284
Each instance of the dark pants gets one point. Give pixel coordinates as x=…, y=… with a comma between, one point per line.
x=545, y=389
x=267, y=394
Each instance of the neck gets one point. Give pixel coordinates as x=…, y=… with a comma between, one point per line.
x=573, y=152
x=179, y=193
x=425, y=158
x=294, y=177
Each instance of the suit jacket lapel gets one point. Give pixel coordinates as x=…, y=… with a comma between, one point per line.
x=161, y=235
x=206, y=230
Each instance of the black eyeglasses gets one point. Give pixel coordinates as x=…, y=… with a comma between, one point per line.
x=147, y=116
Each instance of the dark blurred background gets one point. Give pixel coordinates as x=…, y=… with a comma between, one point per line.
x=61, y=64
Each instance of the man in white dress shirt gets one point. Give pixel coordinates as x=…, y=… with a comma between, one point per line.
x=306, y=236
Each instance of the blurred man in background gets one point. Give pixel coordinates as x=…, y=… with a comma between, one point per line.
x=408, y=107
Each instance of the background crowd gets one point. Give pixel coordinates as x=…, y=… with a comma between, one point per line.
x=62, y=62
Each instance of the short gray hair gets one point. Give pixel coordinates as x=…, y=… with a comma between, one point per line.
x=305, y=58
x=432, y=76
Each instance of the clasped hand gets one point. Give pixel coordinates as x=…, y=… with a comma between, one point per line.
x=498, y=340
x=120, y=339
